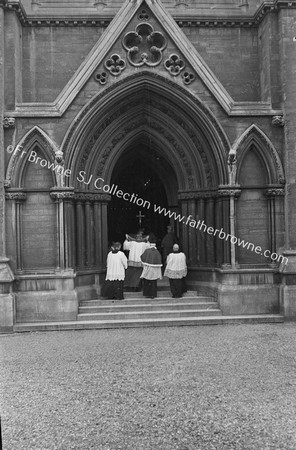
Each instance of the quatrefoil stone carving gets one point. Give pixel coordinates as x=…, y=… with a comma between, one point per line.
x=115, y=64
x=144, y=45
x=174, y=64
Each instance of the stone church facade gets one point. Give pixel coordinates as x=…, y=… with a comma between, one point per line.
x=195, y=98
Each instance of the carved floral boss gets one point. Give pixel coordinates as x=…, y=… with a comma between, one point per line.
x=144, y=45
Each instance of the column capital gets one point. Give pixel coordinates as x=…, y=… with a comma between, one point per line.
x=197, y=195
x=229, y=191
x=91, y=197
x=62, y=193
x=275, y=192
x=17, y=196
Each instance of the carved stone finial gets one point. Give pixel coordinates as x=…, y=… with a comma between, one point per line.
x=9, y=122
x=278, y=121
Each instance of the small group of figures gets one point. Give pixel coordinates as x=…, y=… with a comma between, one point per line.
x=143, y=267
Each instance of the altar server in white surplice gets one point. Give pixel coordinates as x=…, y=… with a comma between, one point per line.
x=176, y=271
x=116, y=265
x=136, y=247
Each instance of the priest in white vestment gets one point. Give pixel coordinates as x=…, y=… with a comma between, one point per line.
x=116, y=266
x=176, y=271
x=136, y=247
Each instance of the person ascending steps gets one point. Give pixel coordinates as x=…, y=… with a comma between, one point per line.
x=176, y=271
x=116, y=265
x=151, y=260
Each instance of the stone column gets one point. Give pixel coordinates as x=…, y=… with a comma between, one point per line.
x=183, y=228
x=287, y=49
x=201, y=238
x=18, y=199
x=210, y=221
x=228, y=257
x=89, y=233
x=230, y=195
x=192, y=232
x=98, y=232
x=63, y=198
x=80, y=234
x=6, y=275
x=274, y=195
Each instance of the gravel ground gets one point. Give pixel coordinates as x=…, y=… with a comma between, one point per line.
x=186, y=388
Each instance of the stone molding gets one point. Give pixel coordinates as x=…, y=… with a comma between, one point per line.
x=136, y=78
x=125, y=131
x=97, y=18
x=254, y=135
x=34, y=136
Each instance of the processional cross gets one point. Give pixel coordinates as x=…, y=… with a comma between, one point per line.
x=140, y=216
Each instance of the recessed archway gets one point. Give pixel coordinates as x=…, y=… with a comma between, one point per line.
x=140, y=115
x=147, y=180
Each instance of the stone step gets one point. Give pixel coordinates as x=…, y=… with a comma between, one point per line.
x=119, y=307
x=160, y=294
x=140, y=323
x=139, y=300
x=149, y=314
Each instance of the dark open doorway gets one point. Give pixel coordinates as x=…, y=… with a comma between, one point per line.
x=138, y=172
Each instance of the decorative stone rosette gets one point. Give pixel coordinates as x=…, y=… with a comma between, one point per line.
x=144, y=46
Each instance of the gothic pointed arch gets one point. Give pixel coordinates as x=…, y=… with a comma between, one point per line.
x=18, y=162
x=189, y=134
x=255, y=139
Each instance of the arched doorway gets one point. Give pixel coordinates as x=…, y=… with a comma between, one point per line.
x=119, y=137
x=139, y=173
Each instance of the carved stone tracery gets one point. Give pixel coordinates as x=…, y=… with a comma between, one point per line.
x=115, y=64
x=144, y=46
x=174, y=64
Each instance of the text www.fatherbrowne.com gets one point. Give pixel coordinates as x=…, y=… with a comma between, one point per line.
x=201, y=226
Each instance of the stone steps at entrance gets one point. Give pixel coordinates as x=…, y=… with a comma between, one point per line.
x=137, y=311
x=141, y=323
x=146, y=307
x=135, y=306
